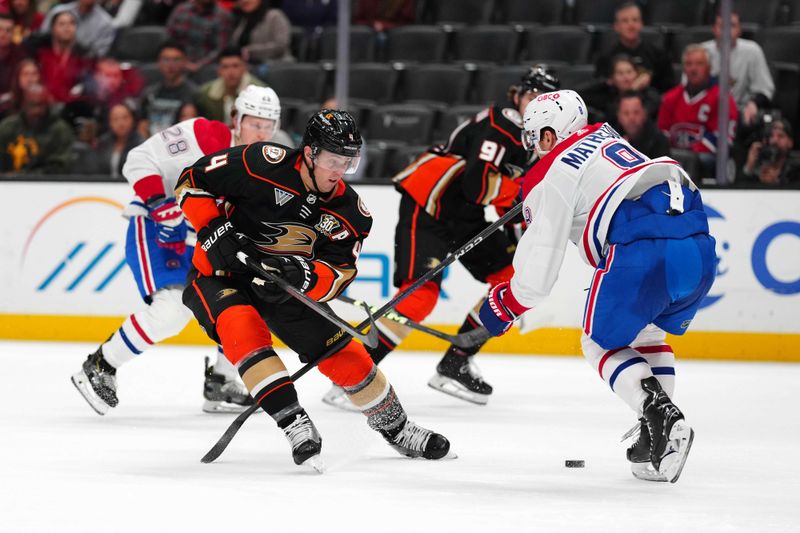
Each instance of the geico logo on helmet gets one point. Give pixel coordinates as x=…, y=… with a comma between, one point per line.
x=564, y=112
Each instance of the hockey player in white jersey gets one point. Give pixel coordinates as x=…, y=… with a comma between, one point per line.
x=159, y=246
x=640, y=223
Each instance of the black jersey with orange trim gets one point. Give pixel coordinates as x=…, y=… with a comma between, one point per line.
x=266, y=200
x=474, y=168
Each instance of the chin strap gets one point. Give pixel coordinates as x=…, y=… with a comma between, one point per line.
x=316, y=190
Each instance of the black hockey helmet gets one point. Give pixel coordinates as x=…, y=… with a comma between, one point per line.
x=335, y=131
x=542, y=78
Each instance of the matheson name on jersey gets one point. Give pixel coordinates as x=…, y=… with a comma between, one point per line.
x=582, y=151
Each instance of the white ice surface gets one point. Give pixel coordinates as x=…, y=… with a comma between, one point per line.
x=63, y=468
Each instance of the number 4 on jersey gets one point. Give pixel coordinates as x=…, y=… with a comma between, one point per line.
x=216, y=162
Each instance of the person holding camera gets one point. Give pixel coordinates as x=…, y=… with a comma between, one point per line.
x=768, y=161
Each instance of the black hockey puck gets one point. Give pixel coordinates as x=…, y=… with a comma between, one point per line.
x=574, y=463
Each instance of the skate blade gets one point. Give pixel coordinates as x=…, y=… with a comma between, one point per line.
x=454, y=388
x=646, y=472
x=85, y=388
x=680, y=442
x=220, y=407
x=316, y=463
x=342, y=403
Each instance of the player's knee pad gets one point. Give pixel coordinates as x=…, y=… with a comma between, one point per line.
x=504, y=274
x=242, y=331
x=349, y=366
x=165, y=317
x=419, y=304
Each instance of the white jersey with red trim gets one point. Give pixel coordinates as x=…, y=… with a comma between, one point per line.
x=169, y=151
x=572, y=194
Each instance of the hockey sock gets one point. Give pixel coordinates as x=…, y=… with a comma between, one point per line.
x=126, y=343
x=224, y=367
x=269, y=384
x=662, y=364
x=390, y=334
x=376, y=398
x=470, y=323
x=622, y=368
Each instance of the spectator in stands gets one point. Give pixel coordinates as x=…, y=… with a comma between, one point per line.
x=35, y=140
x=95, y=31
x=11, y=54
x=202, y=28
x=27, y=19
x=262, y=31
x=751, y=81
x=652, y=63
x=602, y=96
x=62, y=61
x=313, y=14
x=186, y=111
x=112, y=148
x=637, y=127
x=161, y=100
x=123, y=12
x=385, y=14
x=768, y=160
x=111, y=83
x=215, y=100
x=688, y=114
x=25, y=75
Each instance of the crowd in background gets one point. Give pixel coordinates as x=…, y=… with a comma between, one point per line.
x=69, y=105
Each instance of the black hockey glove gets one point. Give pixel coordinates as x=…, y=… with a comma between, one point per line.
x=295, y=270
x=220, y=241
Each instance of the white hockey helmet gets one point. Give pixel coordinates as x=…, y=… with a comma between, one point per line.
x=562, y=111
x=262, y=102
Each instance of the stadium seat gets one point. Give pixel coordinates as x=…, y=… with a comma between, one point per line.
x=495, y=44
x=594, y=11
x=453, y=117
x=298, y=43
x=790, y=12
x=362, y=43
x=787, y=89
x=410, y=123
x=376, y=160
x=687, y=36
x=425, y=44
x=439, y=83
x=558, y=43
x=576, y=76
x=605, y=37
x=138, y=43
x=541, y=11
x=149, y=72
x=304, y=81
x=373, y=81
x=675, y=12
x=689, y=160
x=462, y=11
x=492, y=83
x=781, y=43
x=401, y=157
x=757, y=12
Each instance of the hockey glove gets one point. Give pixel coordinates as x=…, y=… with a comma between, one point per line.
x=221, y=242
x=295, y=270
x=170, y=224
x=500, y=309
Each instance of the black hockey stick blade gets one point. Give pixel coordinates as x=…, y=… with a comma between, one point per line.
x=370, y=339
x=227, y=437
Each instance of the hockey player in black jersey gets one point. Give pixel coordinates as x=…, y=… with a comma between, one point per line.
x=444, y=194
x=291, y=211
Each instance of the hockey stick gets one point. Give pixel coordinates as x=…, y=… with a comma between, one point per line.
x=226, y=437
x=370, y=339
x=468, y=339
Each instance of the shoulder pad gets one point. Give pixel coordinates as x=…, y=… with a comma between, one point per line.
x=513, y=116
x=212, y=135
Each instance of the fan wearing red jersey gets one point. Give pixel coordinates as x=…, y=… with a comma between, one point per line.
x=159, y=245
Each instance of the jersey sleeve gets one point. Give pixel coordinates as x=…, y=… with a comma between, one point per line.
x=212, y=135
x=142, y=171
x=485, y=180
x=548, y=212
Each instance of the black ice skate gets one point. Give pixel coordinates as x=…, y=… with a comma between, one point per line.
x=639, y=454
x=457, y=375
x=670, y=436
x=224, y=395
x=97, y=382
x=306, y=442
x=414, y=441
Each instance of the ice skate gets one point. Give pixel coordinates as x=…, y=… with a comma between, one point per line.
x=639, y=454
x=415, y=441
x=224, y=395
x=671, y=437
x=306, y=442
x=97, y=382
x=337, y=397
x=457, y=375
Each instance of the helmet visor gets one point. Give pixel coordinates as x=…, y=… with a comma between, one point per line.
x=337, y=163
x=529, y=139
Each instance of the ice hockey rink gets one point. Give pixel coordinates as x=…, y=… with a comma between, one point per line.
x=138, y=469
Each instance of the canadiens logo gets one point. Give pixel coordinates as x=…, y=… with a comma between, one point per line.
x=273, y=154
x=363, y=208
x=527, y=215
x=287, y=239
